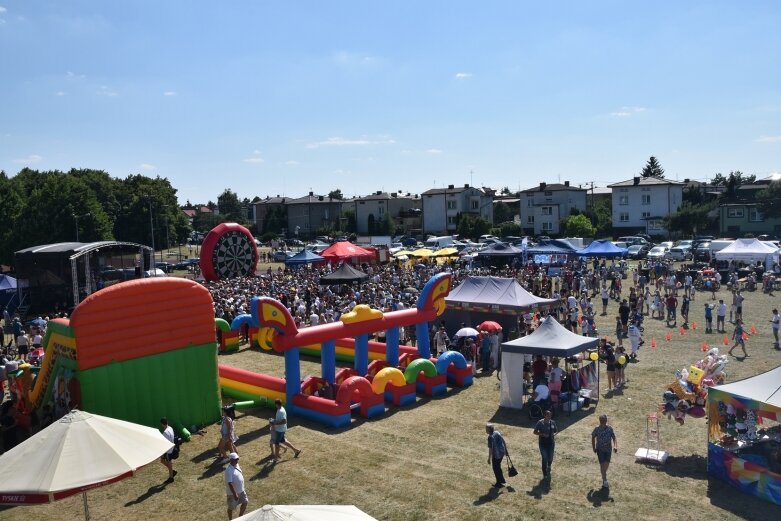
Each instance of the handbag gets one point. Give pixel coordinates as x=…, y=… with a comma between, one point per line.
x=511, y=470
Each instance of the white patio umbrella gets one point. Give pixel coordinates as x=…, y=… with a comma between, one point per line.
x=79, y=452
x=467, y=331
x=307, y=513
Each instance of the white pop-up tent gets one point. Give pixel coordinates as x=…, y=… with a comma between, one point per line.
x=307, y=513
x=749, y=251
x=550, y=339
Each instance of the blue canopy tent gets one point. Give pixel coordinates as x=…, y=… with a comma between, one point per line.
x=7, y=292
x=603, y=248
x=303, y=257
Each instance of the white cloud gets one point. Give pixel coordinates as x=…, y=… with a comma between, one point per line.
x=626, y=112
x=352, y=59
x=170, y=93
x=2, y=9
x=433, y=151
x=463, y=75
x=59, y=93
x=106, y=91
x=73, y=75
x=768, y=139
x=32, y=158
x=255, y=159
x=291, y=162
x=340, y=141
x=147, y=166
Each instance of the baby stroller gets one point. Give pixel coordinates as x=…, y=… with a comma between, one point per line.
x=638, y=317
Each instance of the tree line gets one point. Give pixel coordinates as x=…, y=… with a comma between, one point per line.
x=45, y=207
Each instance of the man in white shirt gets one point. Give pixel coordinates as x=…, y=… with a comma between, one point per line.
x=721, y=314
x=234, y=487
x=776, y=322
x=541, y=395
x=167, y=458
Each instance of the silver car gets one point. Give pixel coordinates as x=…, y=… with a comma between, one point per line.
x=680, y=253
x=657, y=253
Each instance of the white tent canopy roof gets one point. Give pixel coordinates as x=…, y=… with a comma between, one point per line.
x=764, y=387
x=307, y=513
x=745, y=250
x=550, y=339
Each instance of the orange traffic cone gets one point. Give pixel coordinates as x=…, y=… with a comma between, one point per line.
x=681, y=330
x=704, y=347
x=726, y=340
x=653, y=343
x=753, y=329
x=669, y=336
x=694, y=325
x=745, y=336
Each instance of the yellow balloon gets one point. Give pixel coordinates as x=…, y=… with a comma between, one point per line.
x=594, y=356
x=621, y=359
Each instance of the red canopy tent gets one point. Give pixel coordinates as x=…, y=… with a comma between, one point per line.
x=343, y=250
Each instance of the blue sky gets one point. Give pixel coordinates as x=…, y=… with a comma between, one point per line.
x=268, y=98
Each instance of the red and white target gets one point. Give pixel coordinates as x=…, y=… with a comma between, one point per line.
x=228, y=251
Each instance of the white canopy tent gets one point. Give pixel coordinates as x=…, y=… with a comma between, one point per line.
x=307, y=513
x=550, y=339
x=749, y=251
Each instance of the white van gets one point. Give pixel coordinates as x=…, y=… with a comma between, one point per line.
x=437, y=243
x=719, y=245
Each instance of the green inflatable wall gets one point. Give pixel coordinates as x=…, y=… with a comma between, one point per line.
x=181, y=384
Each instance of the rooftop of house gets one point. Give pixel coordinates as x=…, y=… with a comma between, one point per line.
x=451, y=189
x=554, y=187
x=384, y=196
x=645, y=181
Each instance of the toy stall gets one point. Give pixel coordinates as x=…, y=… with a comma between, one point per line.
x=744, y=434
x=551, y=339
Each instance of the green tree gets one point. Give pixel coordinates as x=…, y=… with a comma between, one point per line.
x=578, y=226
x=11, y=207
x=231, y=208
x=336, y=195
x=506, y=229
x=385, y=226
x=472, y=226
x=653, y=169
x=351, y=225
x=503, y=212
x=601, y=216
x=769, y=200
x=691, y=219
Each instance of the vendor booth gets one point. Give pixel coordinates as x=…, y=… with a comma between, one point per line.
x=304, y=257
x=744, y=434
x=345, y=274
x=603, y=248
x=748, y=251
x=553, y=252
x=550, y=339
x=502, y=300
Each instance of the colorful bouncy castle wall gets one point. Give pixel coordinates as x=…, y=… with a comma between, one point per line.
x=394, y=374
x=744, y=438
x=138, y=350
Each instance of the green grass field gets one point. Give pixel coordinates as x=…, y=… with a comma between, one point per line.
x=428, y=461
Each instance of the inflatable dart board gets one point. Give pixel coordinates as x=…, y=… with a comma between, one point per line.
x=228, y=251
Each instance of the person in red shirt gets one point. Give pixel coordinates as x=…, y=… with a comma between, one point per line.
x=539, y=368
x=672, y=306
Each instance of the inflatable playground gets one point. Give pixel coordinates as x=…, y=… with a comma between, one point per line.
x=381, y=372
x=134, y=352
x=131, y=351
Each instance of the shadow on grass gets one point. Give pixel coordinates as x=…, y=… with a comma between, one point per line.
x=520, y=417
x=540, y=489
x=492, y=494
x=154, y=489
x=694, y=466
x=727, y=498
x=267, y=467
x=212, y=470
x=597, y=497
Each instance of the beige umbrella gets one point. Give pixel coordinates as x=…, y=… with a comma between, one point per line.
x=422, y=252
x=307, y=513
x=76, y=453
x=402, y=253
x=446, y=252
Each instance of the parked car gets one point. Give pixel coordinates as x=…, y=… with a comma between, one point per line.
x=657, y=253
x=680, y=253
x=280, y=256
x=157, y=272
x=638, y=251
x=294, y=242
x=702, y=252
x=167, y=267
x=633, y=239
x=666, y=244
x=488, y=238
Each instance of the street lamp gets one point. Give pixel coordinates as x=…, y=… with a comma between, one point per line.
x=76, y=218
x=152, y=229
